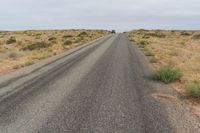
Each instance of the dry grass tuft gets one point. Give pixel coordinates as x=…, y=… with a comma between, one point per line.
x=193, y=89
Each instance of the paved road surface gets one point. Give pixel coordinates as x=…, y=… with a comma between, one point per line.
x=99, y=88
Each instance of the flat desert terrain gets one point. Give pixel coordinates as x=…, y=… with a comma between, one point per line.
x=23, y=48
x=180, y=49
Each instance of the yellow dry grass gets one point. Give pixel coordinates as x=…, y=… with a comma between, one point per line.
x=178, y=48
x=22, y=51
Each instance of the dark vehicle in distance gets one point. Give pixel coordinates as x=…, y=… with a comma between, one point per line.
x=113, y=32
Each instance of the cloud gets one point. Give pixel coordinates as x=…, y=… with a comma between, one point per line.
x=111, y=14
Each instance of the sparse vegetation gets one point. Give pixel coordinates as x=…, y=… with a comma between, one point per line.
x=166, y=74
x=184, y=33
x=11, y=40
x=196, y=37
x=148, y=53
x=177, y=48
x=18, y=48
x=82, y=34
x=52, y=39
x=13, y=55
x=79, y=39
x=67, y=36
x=153, y=60
x=193, y=89
x=16, y=66
x=28, y=63
x=67, y=43
x=142, y=44
x=157, y=34
x=146, y=37
x=37, y=45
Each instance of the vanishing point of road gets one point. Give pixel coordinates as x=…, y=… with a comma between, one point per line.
x=100, y=87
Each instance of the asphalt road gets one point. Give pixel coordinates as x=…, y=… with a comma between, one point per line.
x=99, y=88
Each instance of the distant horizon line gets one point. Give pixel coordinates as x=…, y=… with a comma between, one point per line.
x=49, y=29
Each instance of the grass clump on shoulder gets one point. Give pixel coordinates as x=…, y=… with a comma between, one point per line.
x=166, y=74
x=193, y=89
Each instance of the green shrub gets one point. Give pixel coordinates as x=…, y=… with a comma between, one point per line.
x=82, y=34
x=68, y=42
x=142, y=44
x=166, y=74
x=11, y=40
x=52, y=38
x=67, y=36
x=193, y=89
x=37, y=45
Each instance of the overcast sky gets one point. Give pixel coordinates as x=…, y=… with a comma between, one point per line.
x=107, y=14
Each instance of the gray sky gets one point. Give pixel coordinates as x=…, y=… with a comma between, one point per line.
x=107, y=14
